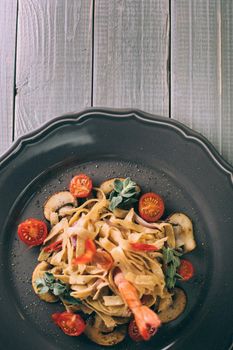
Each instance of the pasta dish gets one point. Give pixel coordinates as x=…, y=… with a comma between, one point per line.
x=111, y=258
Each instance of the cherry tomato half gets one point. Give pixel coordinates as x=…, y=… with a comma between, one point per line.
x=151, y=207
x=88, y=255
x=186, y=269
x=103, y=259
x=53, y=247
x=71, y=324
x=32, y=232
x=81, y=186
x=143, y=247
x=134, y=331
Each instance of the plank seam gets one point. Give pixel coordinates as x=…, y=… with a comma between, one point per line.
x=93, y=52
x=15, y=63
x=169, y=62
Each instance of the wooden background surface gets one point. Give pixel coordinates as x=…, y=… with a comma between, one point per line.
x=167, y=57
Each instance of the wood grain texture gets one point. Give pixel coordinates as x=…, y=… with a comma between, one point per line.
x=53, y=60
x=131, y=46
x=202, y=69
x=8, y=18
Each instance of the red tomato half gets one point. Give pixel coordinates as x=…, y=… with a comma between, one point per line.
x=151, y=207
x=134, y=331
x=143, y=247
x=81, y=186
x=71, y=324
x=32, y=232
x=186, y=269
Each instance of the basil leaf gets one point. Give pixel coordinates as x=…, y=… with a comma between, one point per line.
x=118, y=185
x=112, y=194
x=175, y=252
x=48, y=283
x=129, y=194
x=58, y=288
x=165, y=255
x=126, y=182
x=48, y=277
x=115, y=202
x=171, y=262
x=176, y=261
x=170, y=283
x=124, y=194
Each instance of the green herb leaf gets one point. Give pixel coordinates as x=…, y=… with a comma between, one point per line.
x=118, y=185
x=129, y=194
x=48, y=283
x=49, y=278
x=58, y=288
x=171, y=263
x=124, y=194
x=177, y=253
x=115, y=202
x=128, y=182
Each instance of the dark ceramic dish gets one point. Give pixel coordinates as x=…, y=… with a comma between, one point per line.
x=161, y=155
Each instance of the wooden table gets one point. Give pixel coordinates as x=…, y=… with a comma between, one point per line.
x=172, y=58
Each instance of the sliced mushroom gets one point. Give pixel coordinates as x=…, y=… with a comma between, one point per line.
x=108, y=185
x=176, y=308
x=54, y=219
x=102, y=338
x=99, y=324
x=39, y=271
x=183, y=229
x=67, y=210
x=56, y=201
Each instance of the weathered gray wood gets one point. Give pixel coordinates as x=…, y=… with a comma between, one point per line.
x=131, y=47
x=202, y=69
x=53, y=60
x=8, y=17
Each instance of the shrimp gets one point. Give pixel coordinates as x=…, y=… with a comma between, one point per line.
x=145, y=318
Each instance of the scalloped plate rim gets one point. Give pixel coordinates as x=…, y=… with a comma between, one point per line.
x=116, y=113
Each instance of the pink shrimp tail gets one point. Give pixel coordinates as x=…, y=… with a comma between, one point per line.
x=147, y=321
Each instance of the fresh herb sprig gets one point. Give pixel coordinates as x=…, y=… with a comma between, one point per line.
x=124, y=194
x=171, y=259
x=48, y=283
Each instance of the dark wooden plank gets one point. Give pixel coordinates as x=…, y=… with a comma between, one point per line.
x=8, y=18
x=131, y=47
x=53, y=60
x=202, y=69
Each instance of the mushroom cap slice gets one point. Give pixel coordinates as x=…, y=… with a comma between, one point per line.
x=106, y=339
x=183, y=229
x=176, y=308
x=108, y=185
x=56, y=201
x=54, y=219
x=38, y=272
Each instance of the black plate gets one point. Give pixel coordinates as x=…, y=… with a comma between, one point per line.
x=161, y=155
